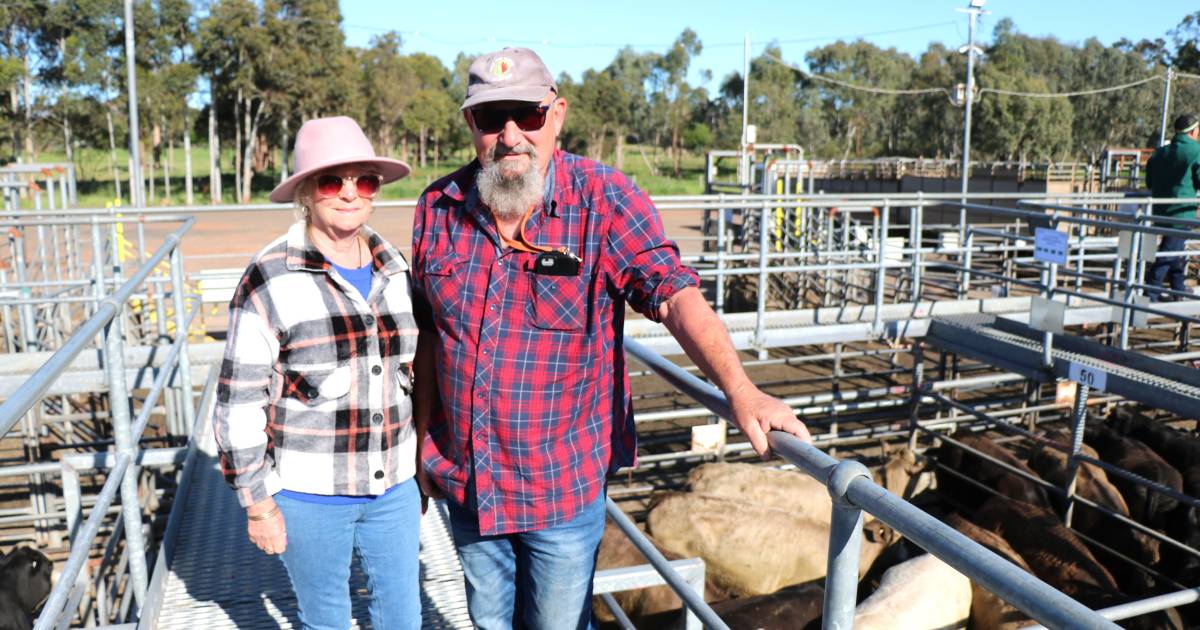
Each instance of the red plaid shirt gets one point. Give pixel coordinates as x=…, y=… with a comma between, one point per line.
x=535, y=405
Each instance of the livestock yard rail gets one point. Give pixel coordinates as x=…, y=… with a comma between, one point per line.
x=919, y=316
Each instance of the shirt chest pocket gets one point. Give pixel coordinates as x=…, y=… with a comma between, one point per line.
x=445, y=285
x=559, y=302
x=314, y=387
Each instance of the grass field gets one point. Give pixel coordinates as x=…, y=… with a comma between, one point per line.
x=95, y=185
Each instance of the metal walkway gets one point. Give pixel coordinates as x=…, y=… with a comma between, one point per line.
x=217, y=579
x=1017, y=347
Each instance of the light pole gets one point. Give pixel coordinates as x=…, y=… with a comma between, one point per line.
x=973, y=11
x=1162, y=128
x=744, y=157
x=135, y=176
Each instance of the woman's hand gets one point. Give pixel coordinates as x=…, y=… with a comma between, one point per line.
x=269, y=533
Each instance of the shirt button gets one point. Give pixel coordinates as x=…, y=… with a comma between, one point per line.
x=376, y=370
x=379, y=474
x=493, y=307
x=485, y=351
x=369, y=320
x=377, y=418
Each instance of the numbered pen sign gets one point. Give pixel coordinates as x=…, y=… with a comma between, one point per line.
x=1050, y=246
x=1088, y=375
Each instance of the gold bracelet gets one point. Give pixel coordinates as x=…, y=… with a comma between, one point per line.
x=265, y=515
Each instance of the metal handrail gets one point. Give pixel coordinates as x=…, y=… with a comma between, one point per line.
x=121, y=477
x=853, y=491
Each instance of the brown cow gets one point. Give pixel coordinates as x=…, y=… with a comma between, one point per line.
x=968, y=496
x=789, y=608
x=988, y=611
x=1093, y=484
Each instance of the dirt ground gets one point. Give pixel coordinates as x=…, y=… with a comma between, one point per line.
x=221, y=240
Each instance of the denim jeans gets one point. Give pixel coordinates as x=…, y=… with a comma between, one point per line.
x=539, y=579
x=385, y=533
x=1171, y=269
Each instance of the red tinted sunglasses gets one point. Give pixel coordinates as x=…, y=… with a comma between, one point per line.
x=367, y=186
x=493, y=119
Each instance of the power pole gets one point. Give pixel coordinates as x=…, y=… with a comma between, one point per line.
x=974, y=10
x=136, y=194
x=1166, y=106
x=744, y=157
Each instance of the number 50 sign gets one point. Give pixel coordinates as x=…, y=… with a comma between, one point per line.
x=1087, y=375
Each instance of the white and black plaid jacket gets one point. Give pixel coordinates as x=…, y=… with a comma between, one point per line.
x=314, y=394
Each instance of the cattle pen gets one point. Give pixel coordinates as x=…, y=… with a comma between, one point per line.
x=897, y=320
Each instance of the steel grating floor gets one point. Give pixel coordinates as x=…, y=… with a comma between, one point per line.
x=1017, y=347
x=219, y=580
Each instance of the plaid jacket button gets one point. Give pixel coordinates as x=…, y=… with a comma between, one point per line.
x=376, y=370
x=369, y=320
x=379, y=474
x=377, y=418
x=312, y=393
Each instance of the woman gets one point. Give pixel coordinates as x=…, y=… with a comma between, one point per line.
x=314, y=418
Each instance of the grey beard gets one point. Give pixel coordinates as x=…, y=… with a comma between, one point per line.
x=509, y=196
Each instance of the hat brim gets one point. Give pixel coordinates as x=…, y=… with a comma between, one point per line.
x=527, y=93
x=390, y=170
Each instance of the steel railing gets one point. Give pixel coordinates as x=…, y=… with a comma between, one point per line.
x=122, y=467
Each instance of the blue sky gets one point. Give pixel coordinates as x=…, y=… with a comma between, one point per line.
x=575, y=36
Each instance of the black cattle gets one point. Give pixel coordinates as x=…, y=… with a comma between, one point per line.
x=24, y=587
x=1145, y=505
x=969, y=496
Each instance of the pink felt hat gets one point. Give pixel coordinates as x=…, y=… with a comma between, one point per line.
x=326, y=142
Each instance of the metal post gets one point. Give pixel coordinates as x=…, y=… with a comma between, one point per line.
x=760, y=315
x=118, y=401
x=918, y=377
x=964, y=285
x=1166, y=105
x=181, y=328
x=1077, y=428
x=845, y=545
x=881, y=271
x=1135, y=254
x=720, y=297
x=135, y=173
x=1047, y=336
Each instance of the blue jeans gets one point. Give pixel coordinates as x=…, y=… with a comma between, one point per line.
x=538, y=579
x=386, y=535
x=1171, y=269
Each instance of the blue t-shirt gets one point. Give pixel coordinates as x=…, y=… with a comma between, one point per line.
x=360, y=279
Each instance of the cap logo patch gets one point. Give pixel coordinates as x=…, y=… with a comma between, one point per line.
x=502, y=67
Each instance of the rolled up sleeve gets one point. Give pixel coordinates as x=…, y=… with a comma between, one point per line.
x=644, y=265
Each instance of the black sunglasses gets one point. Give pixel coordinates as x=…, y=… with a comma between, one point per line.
x=493, y=119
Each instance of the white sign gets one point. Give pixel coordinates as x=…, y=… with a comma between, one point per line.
x=1050, y=246
x=1087, y=375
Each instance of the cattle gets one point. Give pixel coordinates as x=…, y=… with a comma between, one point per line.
x=968, y=496
x=1182, y=451
x=1145, y=505
x=1059, y=558
x=1092, y=483
x=617, y=551
x=790, y=608
x=24, y=586
x=988, y=611
x=923, y=592
x=750, y=548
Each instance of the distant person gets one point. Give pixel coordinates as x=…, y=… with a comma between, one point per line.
x=523, y=263
x=314, y=415
x=1174, y=171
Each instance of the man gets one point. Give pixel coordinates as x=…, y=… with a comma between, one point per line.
x=1174, y=171
x=523, y=262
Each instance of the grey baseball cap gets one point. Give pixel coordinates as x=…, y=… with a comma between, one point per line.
x=510, y=74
